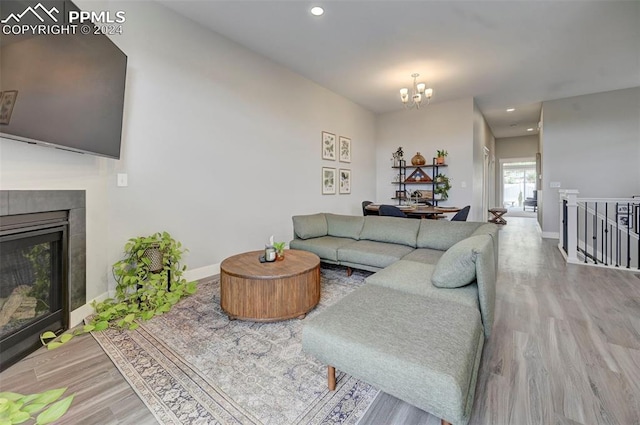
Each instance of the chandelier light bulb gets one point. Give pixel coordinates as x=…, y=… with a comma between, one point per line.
x=419, y=92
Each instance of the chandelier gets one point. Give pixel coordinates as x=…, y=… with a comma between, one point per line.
x=420, y=92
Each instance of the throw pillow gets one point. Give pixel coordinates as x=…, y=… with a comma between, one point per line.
x=344, y=226
x=457, y=266
x=310, y=226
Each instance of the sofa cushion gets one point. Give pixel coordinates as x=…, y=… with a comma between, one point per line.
x=371, y=253
x=310, y=226
x=425, y=352
x=325, y=247
x=457, y=267
x=424, y=255
x=415, y=278
x=344, y=226
x=443, y=234
x=390, y=229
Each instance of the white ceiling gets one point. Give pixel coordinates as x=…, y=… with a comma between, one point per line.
x=502, y=53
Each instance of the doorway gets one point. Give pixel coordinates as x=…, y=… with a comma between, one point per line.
x=518, y=178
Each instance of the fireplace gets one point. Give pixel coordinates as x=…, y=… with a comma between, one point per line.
x=42, y=267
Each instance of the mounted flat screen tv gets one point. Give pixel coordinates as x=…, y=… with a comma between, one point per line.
x=64, y=90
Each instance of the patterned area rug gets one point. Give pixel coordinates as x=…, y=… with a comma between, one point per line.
x=194, y=366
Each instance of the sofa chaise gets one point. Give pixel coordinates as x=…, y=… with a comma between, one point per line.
x=416, y=330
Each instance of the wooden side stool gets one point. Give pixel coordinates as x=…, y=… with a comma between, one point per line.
x=497, y=215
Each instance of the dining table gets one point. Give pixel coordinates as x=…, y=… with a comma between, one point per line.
x=419, y=211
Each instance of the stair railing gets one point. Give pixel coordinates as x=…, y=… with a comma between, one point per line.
x=600, y=231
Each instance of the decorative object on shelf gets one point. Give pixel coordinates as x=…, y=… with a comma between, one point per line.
x=279, y=246
x=345, y=149
x=440, y=155
x=418, y=159
x=398, y=157
x=328, y=181
x=418, y=176
x=328, y=146
x=345, y=181
x=7, y=102
x=419, y=93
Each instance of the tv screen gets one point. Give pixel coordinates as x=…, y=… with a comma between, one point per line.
x=59, y=89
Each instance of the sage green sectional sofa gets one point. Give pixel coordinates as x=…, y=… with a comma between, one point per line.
x=416, y=330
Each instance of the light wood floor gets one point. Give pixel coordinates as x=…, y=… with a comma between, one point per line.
x=565, y=349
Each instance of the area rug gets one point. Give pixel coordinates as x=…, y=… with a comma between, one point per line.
x=194, y=366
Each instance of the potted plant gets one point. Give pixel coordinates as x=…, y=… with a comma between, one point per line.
x=440, y=155
x=279, y=246
x=18, y=408
x=443, y=185
x=149, y=280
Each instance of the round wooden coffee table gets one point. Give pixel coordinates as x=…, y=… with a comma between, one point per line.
x=268, y=292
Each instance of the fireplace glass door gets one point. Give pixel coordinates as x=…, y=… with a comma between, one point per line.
x=32, y=286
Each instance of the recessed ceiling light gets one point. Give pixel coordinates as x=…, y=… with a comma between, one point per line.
x=530, y=129
x=317, y=11
x=511, y=109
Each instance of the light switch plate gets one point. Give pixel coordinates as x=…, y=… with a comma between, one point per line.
x=123, y=180
x=554, y=185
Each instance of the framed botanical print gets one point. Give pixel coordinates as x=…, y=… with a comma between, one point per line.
x=328, y=181
x=7, y=101
x=345, y=149
x=328, y=146
x=345, y=181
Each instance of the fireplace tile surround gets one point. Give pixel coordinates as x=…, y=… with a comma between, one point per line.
x=14, y=202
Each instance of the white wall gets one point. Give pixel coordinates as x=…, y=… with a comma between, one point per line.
x=221, y=146
x=448, y=126
x=517, y=147
x=591, y=143
x=482, y=138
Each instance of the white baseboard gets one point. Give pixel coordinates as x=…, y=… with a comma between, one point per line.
x=202, y=272
x=551, y=235
x=78, y=315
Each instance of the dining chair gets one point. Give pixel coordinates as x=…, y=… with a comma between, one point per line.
x=391, y=211
x=365, y=211
x=462, y=214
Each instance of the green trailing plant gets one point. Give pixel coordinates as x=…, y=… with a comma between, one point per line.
x=279, y=246
x=149, y=282
x=443, y=185
x=18, y=408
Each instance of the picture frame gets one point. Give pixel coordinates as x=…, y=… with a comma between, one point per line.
x=7, y=102
x=625, y=221
x=328, y=181
x=345, y=149
x=623, y=209
x=345, y=181
x=328, y=146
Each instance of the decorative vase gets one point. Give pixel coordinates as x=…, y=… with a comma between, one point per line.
x=418, y=159
x=154, y=255
x=270, y=254
x=279, y=255
x=440, y=160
